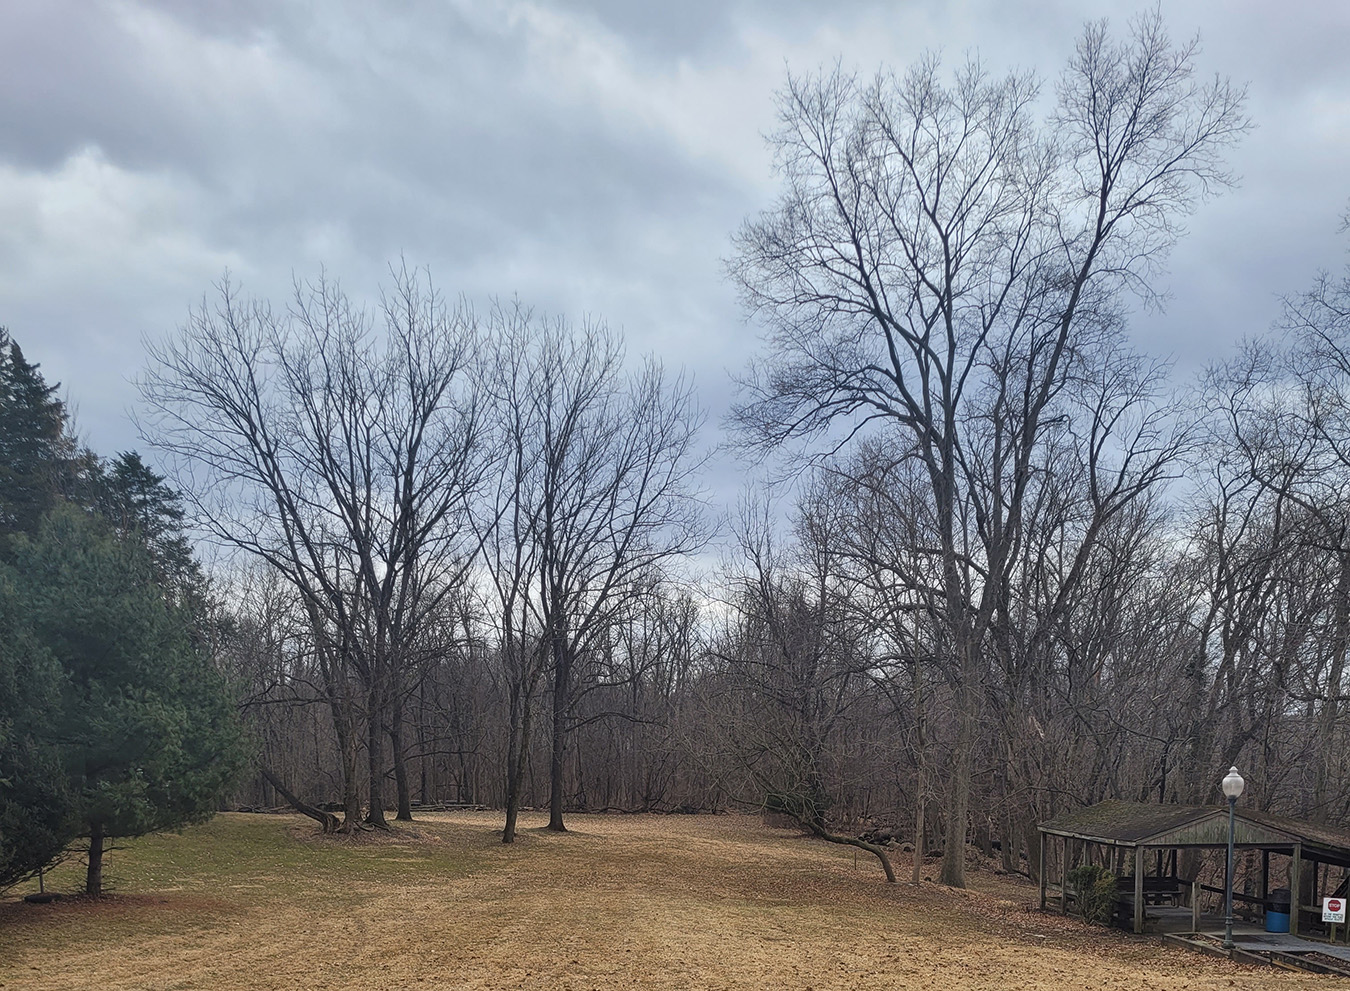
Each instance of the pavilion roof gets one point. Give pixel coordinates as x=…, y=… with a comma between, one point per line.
x=1118, y=823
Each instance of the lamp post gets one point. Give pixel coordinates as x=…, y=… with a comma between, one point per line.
x=1232, y=790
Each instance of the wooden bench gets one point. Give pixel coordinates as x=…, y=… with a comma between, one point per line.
x=1171, y=891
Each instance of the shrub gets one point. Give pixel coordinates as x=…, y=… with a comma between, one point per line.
x=1096, y=887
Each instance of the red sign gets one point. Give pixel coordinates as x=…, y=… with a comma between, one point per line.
x=1334, y=904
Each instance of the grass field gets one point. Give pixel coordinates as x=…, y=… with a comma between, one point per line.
x=257, y=901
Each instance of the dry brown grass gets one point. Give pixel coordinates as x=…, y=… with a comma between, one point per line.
x=619, y=902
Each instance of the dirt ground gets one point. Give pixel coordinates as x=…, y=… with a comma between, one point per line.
x=697, y=902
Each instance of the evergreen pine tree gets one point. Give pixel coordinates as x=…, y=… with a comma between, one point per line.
x=149, y=736
x=35, y=453
x=37, y=808
x=139, y=506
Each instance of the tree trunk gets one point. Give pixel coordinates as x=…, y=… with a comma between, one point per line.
x=517, y=754
x=422, y=743
x=351, y=794
x=337, y=689
x=918, y=840
x=1324, y=775
x=346, y=737
x=920, y=760
x=1010, y=840
x=400, y=763
x=375, y=753
x=984, y=834
x=958, y=802
x=562, y=676
x=93, y=879
x=514, y=768
x=808, y=817
x=1031, y=838
x=327, y=820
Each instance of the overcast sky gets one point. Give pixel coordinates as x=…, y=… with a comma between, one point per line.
x=592, y=158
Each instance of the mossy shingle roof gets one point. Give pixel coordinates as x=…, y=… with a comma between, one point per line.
x=1115, y=821
x=1129, y=823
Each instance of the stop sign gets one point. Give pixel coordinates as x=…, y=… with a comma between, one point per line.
x=1333, y=909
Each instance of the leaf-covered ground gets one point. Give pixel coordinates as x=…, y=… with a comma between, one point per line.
x=258, y=901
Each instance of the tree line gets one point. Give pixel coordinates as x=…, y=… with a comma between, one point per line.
x=1010, y=567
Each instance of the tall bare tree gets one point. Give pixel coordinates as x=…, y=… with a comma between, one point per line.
x=939, y=263
x=341, y=446
x=598, y=492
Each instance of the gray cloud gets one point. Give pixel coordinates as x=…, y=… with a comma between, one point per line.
x=592, y=158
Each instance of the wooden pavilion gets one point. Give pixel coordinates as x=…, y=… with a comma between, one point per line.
x=1123, y=835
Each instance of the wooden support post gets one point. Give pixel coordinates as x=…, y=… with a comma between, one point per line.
x=1139, y=889
x=1042, y=872
x=1064, y=880
x=1265, y=883
x=1195, y=905
x=1295, y=888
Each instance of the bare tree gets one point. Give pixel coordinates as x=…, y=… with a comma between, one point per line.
x=630, y=711
x=598, y=491
x=1281, y=416
x=938, y=264
x=794, y=676
x=287, y=679
x=340, y=454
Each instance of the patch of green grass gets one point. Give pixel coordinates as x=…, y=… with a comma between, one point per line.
x=207, y=878
x=249, y=858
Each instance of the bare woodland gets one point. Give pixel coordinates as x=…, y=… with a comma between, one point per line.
x=1011, y=567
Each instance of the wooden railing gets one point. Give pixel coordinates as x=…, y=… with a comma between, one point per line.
x=1237, y=895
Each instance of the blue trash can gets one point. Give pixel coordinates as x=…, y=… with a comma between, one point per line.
x=1277, y=911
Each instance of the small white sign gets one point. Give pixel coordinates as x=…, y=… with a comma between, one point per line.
x=1333, y=909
